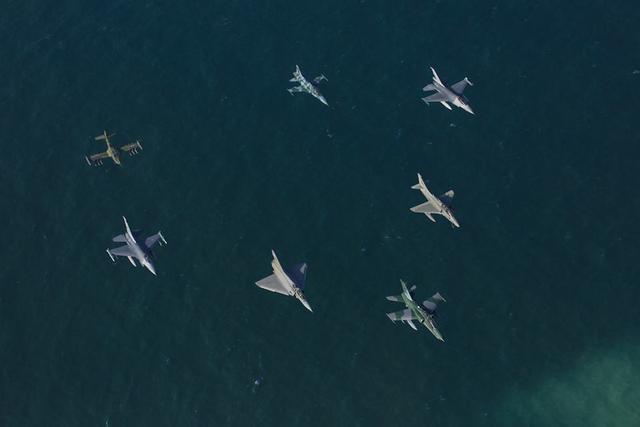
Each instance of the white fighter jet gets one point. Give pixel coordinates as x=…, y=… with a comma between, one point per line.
x=444, y=94
x=286, y=282
x=434, y=205
x=306, y=86
x=140, y=250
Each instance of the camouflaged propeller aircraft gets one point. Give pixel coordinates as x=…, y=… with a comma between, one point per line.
x=112, y=152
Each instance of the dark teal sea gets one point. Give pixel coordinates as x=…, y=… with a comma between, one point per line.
x=541, y=280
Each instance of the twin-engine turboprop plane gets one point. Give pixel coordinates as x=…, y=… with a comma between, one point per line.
x=414, y=311
x=136, y=248
x=112, y=152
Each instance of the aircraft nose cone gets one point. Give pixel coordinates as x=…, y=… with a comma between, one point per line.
x=306, y=305
x=324, y=101
x=152, y=269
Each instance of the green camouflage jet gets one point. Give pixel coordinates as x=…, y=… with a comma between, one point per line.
x=415, y=312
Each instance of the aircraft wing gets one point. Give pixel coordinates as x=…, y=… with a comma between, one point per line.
x=431, y=304
x=405, y=314
x=122, y=251
x=131, y=148
x=271, y=283
x=99, y=156
x=460, y=86
x=447, y=197
x=436, y=97
x=425, y=208
x=152, y=240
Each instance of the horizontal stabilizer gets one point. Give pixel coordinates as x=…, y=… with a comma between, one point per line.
x=428, y=87
x=120, y=238
x=396, y=298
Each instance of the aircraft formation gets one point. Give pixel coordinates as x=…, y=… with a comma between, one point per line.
x=291, y=280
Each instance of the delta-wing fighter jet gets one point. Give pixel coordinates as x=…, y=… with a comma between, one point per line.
x=448, y=94
x=434, y=205
x=286, y=282
x=306, y=86
x=415, y=311
x=112, y=152
x=136, y=248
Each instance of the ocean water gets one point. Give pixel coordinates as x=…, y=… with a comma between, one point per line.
x=541, y=280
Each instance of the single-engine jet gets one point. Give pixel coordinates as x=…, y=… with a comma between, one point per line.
x=415, y=311
x=435, y=205
x=286, y=282
x=448, y=94
x=306, y=86
x=136, y=248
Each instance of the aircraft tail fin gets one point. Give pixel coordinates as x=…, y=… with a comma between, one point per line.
x=435, y=76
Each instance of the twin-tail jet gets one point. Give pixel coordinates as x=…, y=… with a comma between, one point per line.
x=136, y=248
x=112, y=152
x=448, y=94
x=286, y=282
x=306, y=86
x=434, y=205
x=415, y=311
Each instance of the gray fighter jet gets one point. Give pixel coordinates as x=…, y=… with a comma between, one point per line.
x=140, y=250
x=434, y=205
x=444, y=94
x=286, y=282
x=414, y=311
x=306, y=86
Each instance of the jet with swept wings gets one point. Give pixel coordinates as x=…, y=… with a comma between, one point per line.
x=448, y=94
x=286, y=281
x=306, y=86
x=112, y=152
x=136, y=248
x=434, y=205
x=424, y=314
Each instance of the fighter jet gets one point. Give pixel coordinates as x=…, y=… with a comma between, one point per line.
x=112, y=152
x=444, y=94
x=414, y=311
x=306, y=86
x=434, y=205
x=135, y=248
x=286, y=282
